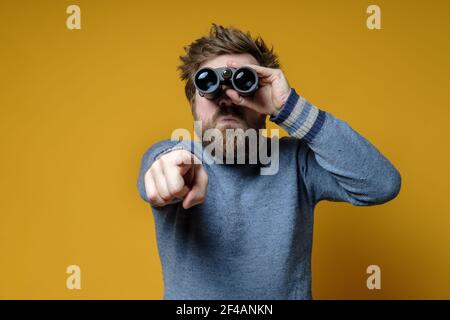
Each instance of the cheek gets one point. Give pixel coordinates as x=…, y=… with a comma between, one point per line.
x=204, y=109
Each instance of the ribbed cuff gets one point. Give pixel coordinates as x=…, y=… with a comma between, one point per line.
x=299, y=118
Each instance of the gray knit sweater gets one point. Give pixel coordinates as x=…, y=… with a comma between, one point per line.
x=252, y=236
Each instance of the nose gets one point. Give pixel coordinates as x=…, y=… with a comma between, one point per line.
x=224, y=100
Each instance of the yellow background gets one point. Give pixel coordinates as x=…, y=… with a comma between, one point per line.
x=79, y=108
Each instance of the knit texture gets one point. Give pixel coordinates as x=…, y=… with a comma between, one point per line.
x=252, y=237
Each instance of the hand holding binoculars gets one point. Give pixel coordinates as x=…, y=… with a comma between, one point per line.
x=209, y=81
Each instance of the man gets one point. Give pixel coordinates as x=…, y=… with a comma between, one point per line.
x=225, y=231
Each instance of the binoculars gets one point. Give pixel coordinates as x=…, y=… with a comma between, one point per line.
x=209, y=81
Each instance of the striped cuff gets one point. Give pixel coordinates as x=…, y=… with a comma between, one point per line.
x=299, y=118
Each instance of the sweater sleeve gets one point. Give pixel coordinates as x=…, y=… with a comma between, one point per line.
x=150, y=156
x=336, y=162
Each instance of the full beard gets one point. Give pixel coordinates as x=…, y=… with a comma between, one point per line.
x=238, y=141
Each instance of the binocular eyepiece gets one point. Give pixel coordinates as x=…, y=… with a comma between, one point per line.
x=209, y=81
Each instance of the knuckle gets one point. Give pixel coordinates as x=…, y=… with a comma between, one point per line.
x=164, y=163
x=176, y=188
x=166, y=197
x=156, y=166
x=177, y=158
x=186, y=155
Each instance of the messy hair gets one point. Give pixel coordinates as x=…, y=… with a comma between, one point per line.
x=222, y=40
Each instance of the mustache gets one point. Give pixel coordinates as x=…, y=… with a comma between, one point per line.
x=230, y=110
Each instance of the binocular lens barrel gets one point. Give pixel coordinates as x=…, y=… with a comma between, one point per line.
x=208, y=81
x=244, y=79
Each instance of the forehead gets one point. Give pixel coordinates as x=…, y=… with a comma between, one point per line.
x=221, y=61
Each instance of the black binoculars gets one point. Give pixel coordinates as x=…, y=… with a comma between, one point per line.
x=209, y=81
